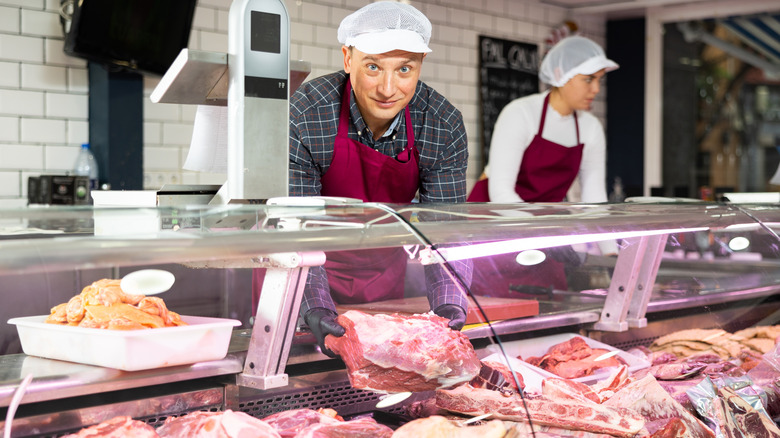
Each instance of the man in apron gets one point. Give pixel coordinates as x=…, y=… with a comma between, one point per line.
x=375, y=132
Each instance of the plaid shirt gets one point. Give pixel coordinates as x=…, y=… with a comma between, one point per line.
x=440, y=138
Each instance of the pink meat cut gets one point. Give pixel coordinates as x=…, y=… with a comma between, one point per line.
x=395, y=353
x=122, y=426
x=360, y=428
x=227, y=424
x=544, y=411
x=290, y=423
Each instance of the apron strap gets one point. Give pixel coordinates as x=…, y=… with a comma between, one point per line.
x=577, y=126
x=544, y=114
x=343, y=130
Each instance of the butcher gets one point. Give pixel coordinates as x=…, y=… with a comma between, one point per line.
x=375, y=132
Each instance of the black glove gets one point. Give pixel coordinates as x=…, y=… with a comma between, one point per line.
x=566, y=255
x=322, y=322
x=454, y=313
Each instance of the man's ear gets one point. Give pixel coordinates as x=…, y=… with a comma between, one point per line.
x=347, y=51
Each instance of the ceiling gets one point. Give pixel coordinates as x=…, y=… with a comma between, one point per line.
x=685, y=8
x=758, y=30
x=611, y=6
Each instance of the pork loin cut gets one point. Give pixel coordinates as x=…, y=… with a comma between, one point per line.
x=394, y=353
x=544, y=411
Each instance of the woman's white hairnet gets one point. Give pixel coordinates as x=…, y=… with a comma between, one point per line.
x=573, y=56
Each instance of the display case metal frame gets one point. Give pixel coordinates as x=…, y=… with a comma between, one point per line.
x=238, y=236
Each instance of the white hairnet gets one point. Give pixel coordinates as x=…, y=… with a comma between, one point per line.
x=385, y=26
x=572, y=56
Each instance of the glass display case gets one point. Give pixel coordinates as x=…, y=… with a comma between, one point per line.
x=624, y=274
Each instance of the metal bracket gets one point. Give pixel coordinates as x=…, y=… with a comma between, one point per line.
x=648, y=271
x=276, y=320
x=632, y=284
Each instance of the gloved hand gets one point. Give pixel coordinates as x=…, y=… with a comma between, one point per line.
x=566, y=255
x=454, y=313
x=322, y=322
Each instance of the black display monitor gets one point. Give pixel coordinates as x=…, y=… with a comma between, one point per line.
x=139, y=35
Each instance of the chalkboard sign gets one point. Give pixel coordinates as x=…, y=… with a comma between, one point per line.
x=507, y=70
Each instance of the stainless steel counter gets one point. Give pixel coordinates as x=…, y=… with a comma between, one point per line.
x=54, y=379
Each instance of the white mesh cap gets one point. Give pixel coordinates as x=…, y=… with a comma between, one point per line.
x=572, y=56
x=386, y=26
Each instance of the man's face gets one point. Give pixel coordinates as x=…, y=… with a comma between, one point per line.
x=383, y=84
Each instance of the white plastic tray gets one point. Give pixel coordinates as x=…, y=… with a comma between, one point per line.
x=538, y=347
x=202, y=340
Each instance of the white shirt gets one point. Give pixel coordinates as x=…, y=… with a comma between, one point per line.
x=516, y=126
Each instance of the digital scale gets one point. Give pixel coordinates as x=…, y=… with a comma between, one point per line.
x=254, y=80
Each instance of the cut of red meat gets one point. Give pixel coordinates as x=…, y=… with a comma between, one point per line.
x=290, y=423
x=573, y=359
x=565, y=388
x=441, y=427
x=523, y=430
x=674, y=428
x=737, y=418
x=617, y=379
x=361, y=428
x=395, y=353
x=117, y=427
x=227, y=424
x=648, y=398
x=544, y=411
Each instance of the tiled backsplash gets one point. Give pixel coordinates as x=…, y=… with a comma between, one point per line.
x=44, y=93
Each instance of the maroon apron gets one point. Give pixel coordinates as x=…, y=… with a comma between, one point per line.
x=547, y=170
x=358, y=171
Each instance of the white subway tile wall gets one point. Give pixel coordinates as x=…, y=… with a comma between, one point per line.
x=44, y=93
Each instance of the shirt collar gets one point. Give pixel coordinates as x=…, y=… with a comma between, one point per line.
x=394, y=126
x=360, y=124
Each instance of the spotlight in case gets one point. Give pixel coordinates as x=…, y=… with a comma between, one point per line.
x=739, y=243
x=530, y=257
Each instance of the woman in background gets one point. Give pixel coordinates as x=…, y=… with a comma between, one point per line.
x=541, y=143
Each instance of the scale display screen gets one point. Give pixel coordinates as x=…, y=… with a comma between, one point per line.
x=265, y=32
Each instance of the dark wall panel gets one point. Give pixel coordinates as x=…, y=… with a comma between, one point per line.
x=626, y=104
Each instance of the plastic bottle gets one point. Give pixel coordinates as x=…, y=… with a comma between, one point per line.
x=86, y=165
x=617, y=194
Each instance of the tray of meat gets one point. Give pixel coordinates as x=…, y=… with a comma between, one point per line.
x=201, y=339
x=573, y=356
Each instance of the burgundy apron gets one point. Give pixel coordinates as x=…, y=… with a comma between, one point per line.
x=546, y=173
x=358, y=171
x=547, y=170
